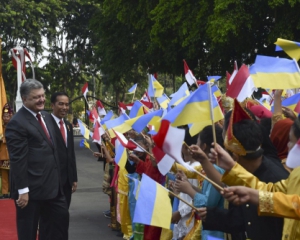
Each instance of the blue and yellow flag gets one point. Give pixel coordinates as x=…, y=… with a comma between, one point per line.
x=181, y=94
x=132, y=89
x=276, y=73
x=121, y=156
x=195, y=109
x=155, y=89
x=163, y=101
x=85, y=132
x=291, y=48
x=159, y=209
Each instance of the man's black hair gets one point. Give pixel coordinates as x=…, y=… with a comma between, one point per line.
x=56, y=94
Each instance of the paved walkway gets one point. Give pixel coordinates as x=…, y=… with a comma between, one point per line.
x=88, y=202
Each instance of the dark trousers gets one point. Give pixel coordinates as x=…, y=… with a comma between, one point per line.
x=67, y=189
x=52, y=216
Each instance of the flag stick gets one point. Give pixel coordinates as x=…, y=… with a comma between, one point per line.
x=190, y=205
x=133, y=96
x=212, y=118
x=209, y=180
x=142, y=148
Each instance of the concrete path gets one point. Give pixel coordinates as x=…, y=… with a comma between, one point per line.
x=87, y=221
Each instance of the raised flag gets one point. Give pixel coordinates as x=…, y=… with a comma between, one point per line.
x=85, y=132
x=189, y=76
x=169, y=139
x=121, y=155
x=242, y=85
x=142, y=121
x=101, y=109
x=107, y=117
x=235, y=71
x=194, y=109
x=122, y=107
x=163, y=101
x=180, y=95
x=136, y=188
x=155, y=89
x=291, y=48
x=146, y=97
x=136, y=110
x=291, y=102
x=277, y=73
x=159, y=209
x=213, y=78
x=132, y=89
x=85, y=89
x=84, y=143
x=129, y=144
x=164, y=161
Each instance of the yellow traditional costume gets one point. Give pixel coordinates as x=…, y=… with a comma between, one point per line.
x=291, y=229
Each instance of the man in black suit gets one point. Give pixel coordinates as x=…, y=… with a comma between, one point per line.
x=65, y=143
x=35, y=168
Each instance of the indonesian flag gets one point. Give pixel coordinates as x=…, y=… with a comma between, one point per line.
x=94, y=115
x=169, y=139
x=228, y=75
x=85, y=90
x=189, y=76
x=129, y=144
x=164, y=161
x=293, y=160
x=146, y=97
x=147, y=104
x=235, y=71
x=101, y=109
x=242, y=85
x=200, y=82
x=122, y=107
x=98, y=132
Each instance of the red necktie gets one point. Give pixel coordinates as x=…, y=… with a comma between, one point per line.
x=43, y=126
x=62, y=130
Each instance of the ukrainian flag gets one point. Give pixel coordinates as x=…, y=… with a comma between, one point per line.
x=291, y=48
x=136, y=110
x=277, y=73
x=195, y=109
x=118, y=124
x=181, y=94
x=121, y=156
x=156, y=198
x=132, y=89
x=155, y=89
x=291, y=102
x=163, y=101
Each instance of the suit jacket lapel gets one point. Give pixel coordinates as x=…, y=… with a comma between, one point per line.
x=32, y=120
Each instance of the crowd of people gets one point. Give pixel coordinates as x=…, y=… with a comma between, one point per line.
x=245, y=154
x=257, y=143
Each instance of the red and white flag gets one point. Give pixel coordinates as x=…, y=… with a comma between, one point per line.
x=235, y=71
x=293, y=159
x=129, y=144
x=122, y=107
x=101, y=109
x=189, y=76
x=242, y=85
x=85, y=90
x=164, y=161
x=170, y=139
x=146, y=97
x=98, y=132
x=94, y=115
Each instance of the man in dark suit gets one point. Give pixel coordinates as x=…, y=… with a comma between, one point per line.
x=65, y=143
x=35, y=168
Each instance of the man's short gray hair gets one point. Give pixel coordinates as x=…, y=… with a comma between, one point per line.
x=28, y=85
